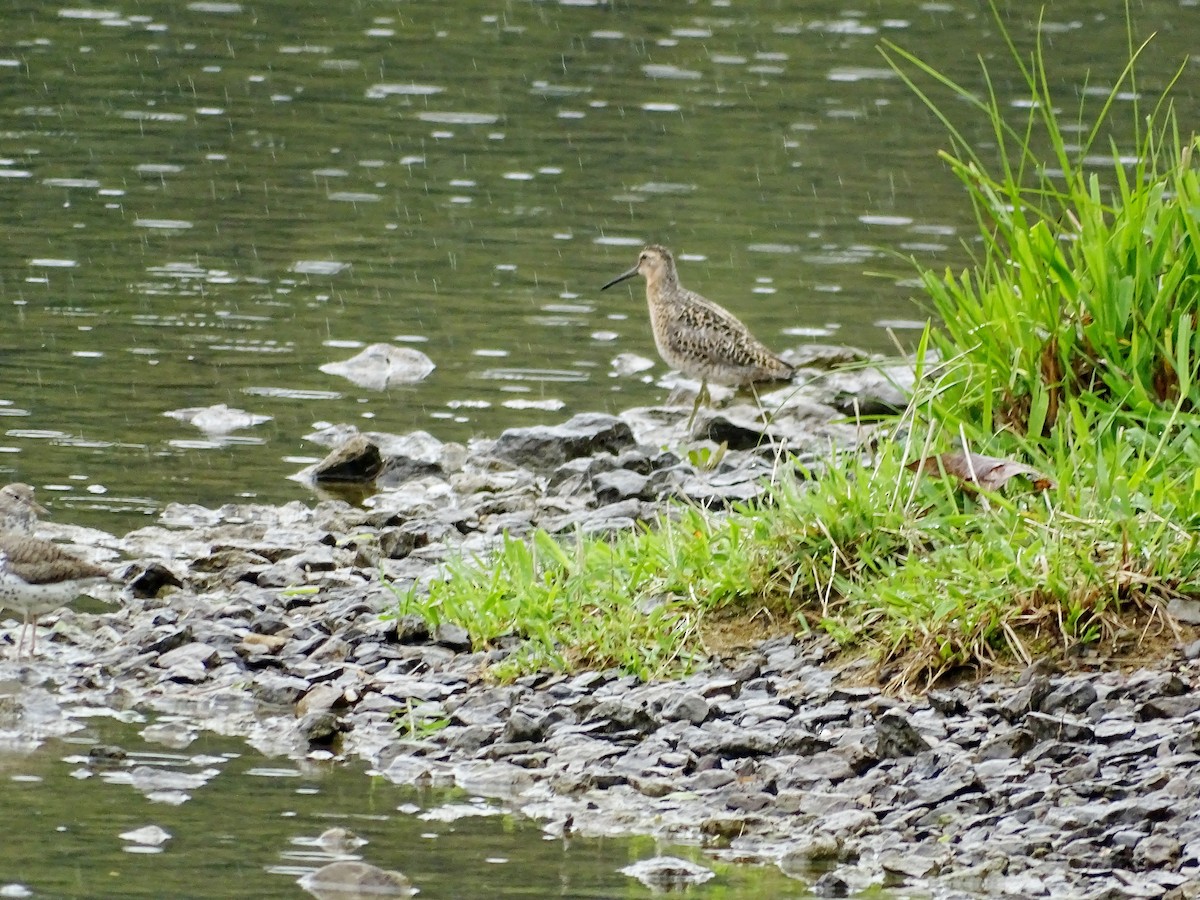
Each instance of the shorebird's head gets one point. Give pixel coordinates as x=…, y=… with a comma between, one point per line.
x=18, y=510
x=654, y=264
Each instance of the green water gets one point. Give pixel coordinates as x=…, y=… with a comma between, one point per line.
x=204, y=202
x=250, y=830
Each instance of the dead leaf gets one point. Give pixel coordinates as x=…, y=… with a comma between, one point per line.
x=988, y=472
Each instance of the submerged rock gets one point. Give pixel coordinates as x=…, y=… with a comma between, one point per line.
x=380, y=366
x=217, y=420
x=668, y=873
x=354, y=880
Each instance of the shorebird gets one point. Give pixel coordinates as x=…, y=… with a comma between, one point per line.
x=698, y=337
x=18, y=510
x=37, y=576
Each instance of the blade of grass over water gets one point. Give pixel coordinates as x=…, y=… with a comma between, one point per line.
x=1069, y=349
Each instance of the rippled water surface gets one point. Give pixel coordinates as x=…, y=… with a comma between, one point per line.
x=125, y=808
x=203, y=202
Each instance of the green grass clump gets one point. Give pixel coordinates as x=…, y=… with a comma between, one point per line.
x=1070, y=348
x=633, y=602
x=1089, y=281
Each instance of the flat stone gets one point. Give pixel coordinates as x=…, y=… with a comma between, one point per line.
x=1058, y=727
x=544, y=448
x=849, y=822
x=896, y=736
x=619, y=484
x=452, y=636
x=1072, y=697
x=688, y=706
x=1169, y=707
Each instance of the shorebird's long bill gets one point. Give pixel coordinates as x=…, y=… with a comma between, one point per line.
x=621, y=278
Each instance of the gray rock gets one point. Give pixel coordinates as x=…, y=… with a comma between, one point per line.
x=452, y=636
x=543, y=448
x=1072, y=697
x=896, y=737
x=1169, y=707
x=356, y=461
x=1058, y=727
x=686, y=707
x=831, y=884
x=619, y=484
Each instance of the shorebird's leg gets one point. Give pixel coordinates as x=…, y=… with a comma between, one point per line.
x=32, y=636
x=767, y=417
x=702, y=396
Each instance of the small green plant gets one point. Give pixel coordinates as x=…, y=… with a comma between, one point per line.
x=416, y=727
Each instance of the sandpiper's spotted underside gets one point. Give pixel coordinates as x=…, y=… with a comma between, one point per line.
x=37, y=576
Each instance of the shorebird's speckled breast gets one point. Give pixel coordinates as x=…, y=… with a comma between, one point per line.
x=37, y=575
x=18, y=594
x=703, y=340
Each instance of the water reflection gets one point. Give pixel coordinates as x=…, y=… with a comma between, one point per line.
x=205, y=201
x=102, y=803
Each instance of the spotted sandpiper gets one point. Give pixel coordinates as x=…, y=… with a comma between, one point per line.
x=37, y=576
x=18, y=510
x=698, y=337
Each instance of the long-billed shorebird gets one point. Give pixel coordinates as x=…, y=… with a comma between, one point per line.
x=18, y=510
x=696, y=336
x=37, y=576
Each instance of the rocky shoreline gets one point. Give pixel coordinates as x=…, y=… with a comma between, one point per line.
x=264, y=622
